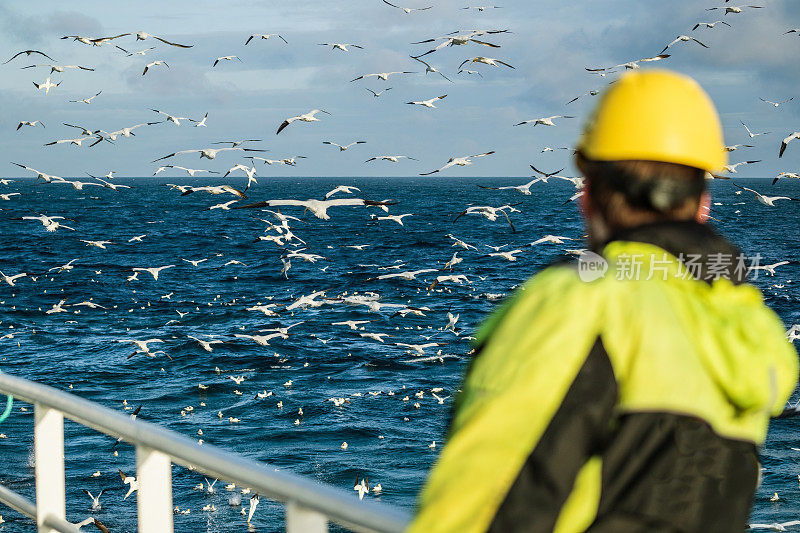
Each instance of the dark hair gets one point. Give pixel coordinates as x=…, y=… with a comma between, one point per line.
x=634, y=192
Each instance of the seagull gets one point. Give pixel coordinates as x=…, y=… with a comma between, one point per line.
x=130, y=481
x=361, y=488
x=407, y=10
x=751, y=134
x=141, y=36
x=225, y=206
x=225, y=58
x=87, y=100
x=429, y=68
x=30, y=123
x=408, y=275
x=460, y=161
x=486, y=61
x=428, y=103
x=154, y=64
x=76, y=142
x=49, y=223
x=264, y=36
x=381, y=75
x=776, y=104
x=261, y=340
x=489, y=212
x=457, y=40
x=352, y=324
x=376, y=95
x=77, y=185
x=732, y=9
x=27, y=54
x=154, y=271
x=787, y=140
x=109, y=185
x=545, y=121
x=341, y=46
x=209, y=153
x=392, y=158
x=95, y=499
x=307, y=117
x=47, y=85
x=683, y=39
x=216, y=189
x=345, y=147
x=766, y=200
x=11, y=279
x=629, y=64
x=171, y=118
x=710, y=24
x=39, y=175
x=555, y=239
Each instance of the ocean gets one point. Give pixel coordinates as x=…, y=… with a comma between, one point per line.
x=388, y=428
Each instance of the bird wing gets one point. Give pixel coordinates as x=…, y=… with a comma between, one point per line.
x=384, y=1
x=284, y=124
x=481, y=155
x=171, y=43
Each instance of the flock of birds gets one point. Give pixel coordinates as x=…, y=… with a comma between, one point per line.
x=278, y=228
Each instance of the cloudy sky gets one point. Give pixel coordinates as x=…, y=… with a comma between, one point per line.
x=551, y=43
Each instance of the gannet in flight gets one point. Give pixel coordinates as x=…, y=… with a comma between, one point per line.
x=776, y=104
x=459, y=161
x=376, y=95
x=209, y=153
x=683, y=39
x=139, y=53
x=39, y=175
x=27, y=54
x=407, y=10
x=7, y=196
x=47, y=85
x=341, y=46
x=345, y=147
x=751, y=134
x=428, y=103
x=154, y=64
x=58, y=68
x=190, y=171
x=392, y=158
x=141, y=36
x=786, y=175
x=787, y=140
x=710, y=24
x=87, y=100
x=630, y=64
x=225, y=58
x=306, y=117
x=429, y=68
x=347, y=189
x=171, y=118
x=766, y=200
x=732, y=9
x=486, y=61
x=30, y=123
x=130, y=481
x=381, y=75
x=545, y=121
x=11, y=279
x=264, y=36
x=319, y=208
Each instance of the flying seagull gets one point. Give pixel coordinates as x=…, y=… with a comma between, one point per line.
x=683, y=39
x=28, y=53
x=407, y=10
x=459, y=161
x=264, y=36
x=787, y=140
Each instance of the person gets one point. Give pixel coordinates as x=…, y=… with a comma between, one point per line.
x=630, y=390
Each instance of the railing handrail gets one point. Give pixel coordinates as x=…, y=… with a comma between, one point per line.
x=336, y=504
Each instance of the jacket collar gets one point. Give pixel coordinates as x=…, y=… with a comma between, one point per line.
x=713, y=255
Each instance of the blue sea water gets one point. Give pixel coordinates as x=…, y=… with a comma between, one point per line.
x=388, y=436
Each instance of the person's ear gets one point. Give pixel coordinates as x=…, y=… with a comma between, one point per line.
x=704, y=208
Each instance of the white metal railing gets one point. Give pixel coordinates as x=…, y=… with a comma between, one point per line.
x=310, y=505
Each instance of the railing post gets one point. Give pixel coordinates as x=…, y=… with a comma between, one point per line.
x=303, y=520
x=48, y=445
x=154, y=496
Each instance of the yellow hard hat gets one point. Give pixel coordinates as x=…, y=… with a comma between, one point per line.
x=656, y=115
